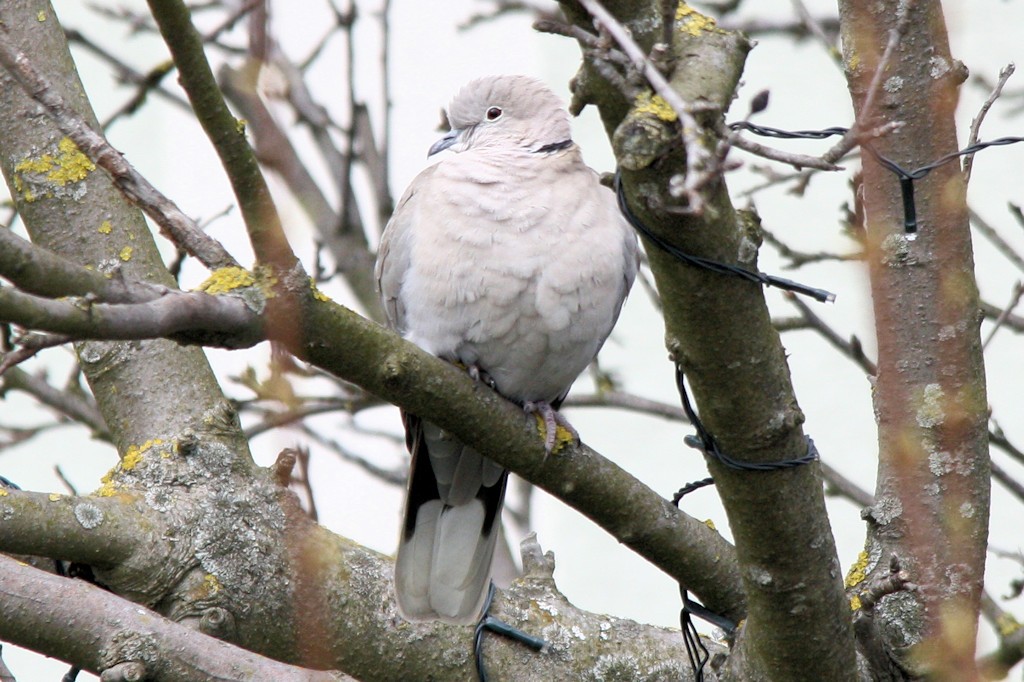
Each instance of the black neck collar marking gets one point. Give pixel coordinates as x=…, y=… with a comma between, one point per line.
x=553, y=147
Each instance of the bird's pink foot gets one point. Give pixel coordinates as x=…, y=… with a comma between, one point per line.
x=481, y=375
x=552, y=419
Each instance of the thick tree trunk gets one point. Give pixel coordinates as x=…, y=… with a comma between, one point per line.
x=932, y=499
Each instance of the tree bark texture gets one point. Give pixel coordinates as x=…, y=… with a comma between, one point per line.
x=932, y=497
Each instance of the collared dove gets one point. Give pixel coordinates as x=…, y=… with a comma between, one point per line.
x=511, y=259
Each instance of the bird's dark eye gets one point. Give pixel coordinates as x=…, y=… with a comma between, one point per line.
x=494, y=113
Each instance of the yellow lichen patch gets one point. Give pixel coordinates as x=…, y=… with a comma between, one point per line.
x=211, y=586
x=693, y=22
x=563, y=436
x=710, y=524
x=240, y=124
x=53, y=497
x=858, y=572
x=3, y=492
x=267, y=280
x=108, y=489
x=1007, y=624
x=105, y=227
x=655, y=105
x=317, y=294
x=41, y=16
x=227, y=279
x=855, y=603
x=126, y=254
x=50, y=172
x=133, y=456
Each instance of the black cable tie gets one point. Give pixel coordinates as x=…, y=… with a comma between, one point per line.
x=707, y=443
x=489, y=623
x=715, y=266
x=707, y=615
x=695, y=649
x=690, y=487
x=766, y=131
x=909, y=208
x=906, y=177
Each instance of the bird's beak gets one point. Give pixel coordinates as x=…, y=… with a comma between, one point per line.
x=448, y=140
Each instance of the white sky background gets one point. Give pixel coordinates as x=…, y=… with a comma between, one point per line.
x=430, y=60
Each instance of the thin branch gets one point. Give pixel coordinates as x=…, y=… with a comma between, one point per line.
x=29, y=346
x=174, y=224
x=851, y=349
x=214, y=319
x=1015, y=296
x=257, y=207
x=698, y=158
x=1010, y=652
x=994, y=312
x=800, y=258
x=1004, y=75
x=798, y=161
x=68, y=404
x=5, y=673
x=856, y=134
x=990, y=233
x=1008, y=482
x=36, y=600
x=396, y=476
x=896, y=580
x=627, y=401
x=815, y=28
x=151, y=81
x=36, y=270
x=841, y=486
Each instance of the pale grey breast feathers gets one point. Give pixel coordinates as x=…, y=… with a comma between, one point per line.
x=508, y=255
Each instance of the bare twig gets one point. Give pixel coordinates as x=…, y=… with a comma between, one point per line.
x=856, y=134
x=174, y=224
x=798, y=161
x=67, y=403
x=841, y=486
x=994, y=312
x=997, y=437
x=5, y=673
x=41, y=599
x=815, y=28
x=968, y=162
x=990, y=233
x=216, y=320
x=800, y=258
x=699, y=160
x=851, y=349
x=1018, y=289
x=1010, y=652
x=395, y=476
x=1008, y=482
x=29, y=346
x=303, y=480
x=896, y=580
x=64, y=479
x=627, y=401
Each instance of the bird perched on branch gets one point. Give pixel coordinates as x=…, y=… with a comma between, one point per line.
x=511, y=259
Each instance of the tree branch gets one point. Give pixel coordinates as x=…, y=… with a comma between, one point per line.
x=222, y=128
x=716, y=327
x=111, y=633
x=174, y=224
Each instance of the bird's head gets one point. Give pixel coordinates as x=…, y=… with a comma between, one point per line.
x=504, y=112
